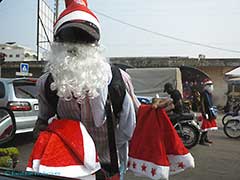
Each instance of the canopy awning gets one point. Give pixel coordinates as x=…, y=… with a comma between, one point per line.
x=234, y=73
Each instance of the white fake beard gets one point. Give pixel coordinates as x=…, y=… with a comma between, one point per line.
x=78, y=70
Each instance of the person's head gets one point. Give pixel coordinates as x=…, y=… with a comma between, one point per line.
x=76, y=61
x=168, y=87
x=77, y=24
x=208, y=85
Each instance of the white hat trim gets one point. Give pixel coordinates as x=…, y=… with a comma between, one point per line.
x=210, y=129
x=152, y=170
x=208, y=82
x=76, y=15
x=178, y=163
x=89, y=149
x=68, y=171
x=72, y=171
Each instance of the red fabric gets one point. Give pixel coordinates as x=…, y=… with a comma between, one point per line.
x=115, y=177
x=69, y=2
x=208, y=124
x=59, y=146
x=75, y=7
x=155, y=137
x=61, y=138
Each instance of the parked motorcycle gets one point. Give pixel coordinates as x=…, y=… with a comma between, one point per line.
x=230, y=115
x=187, y=127
x=232, y=127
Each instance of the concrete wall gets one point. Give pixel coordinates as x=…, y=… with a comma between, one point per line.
x=215, y=68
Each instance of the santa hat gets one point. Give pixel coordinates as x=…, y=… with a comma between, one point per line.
x=159, y=153
x=77, y=23
x=207, y=82
x=65, y=149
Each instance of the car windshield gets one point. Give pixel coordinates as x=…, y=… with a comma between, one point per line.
x=25, y=88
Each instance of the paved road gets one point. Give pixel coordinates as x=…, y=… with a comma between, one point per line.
x=221, y=161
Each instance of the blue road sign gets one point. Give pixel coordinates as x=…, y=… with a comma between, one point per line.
x=24, y=68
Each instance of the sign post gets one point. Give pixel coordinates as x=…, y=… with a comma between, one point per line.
x=24, y=70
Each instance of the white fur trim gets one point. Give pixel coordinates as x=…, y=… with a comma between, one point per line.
x=180, y=162
x=152, y=170
x=68, y=171
x=210, y=129
x=208, y=82
x=35, y=165
x=29, y=169
x=89, y=150
x=75, y=15
x=90, y=177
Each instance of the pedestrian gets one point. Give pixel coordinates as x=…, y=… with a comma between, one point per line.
x=208, y=111
x=75, y=88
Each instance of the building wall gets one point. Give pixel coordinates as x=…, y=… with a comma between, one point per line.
x=17, y=53
x=214, y=68
x=13, y=54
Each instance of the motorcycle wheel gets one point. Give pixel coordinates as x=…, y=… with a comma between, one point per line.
x=226, y=118
x=189, y=135
x=232, y=128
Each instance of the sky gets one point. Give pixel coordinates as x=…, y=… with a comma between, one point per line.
x=136, y=28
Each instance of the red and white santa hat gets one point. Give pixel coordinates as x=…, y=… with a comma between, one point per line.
x=159, y=153
x=77, y=23
x=207, y=81
x=64, y=149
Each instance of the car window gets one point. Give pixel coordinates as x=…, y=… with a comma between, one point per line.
x=25, y=88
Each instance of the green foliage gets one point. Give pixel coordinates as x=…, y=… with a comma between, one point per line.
x=6, y=161
x=8, y=157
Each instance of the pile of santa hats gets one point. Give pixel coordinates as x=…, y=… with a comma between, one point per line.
x=156, y=151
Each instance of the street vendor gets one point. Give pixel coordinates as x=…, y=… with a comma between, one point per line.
x=209, y=112
x=75, y=88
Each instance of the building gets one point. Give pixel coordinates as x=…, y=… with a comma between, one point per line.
x=14, y=52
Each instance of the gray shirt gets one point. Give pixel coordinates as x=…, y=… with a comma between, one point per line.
x=92, y=114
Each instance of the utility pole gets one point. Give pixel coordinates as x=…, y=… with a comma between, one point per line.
x=38, y=8
x=56, y=10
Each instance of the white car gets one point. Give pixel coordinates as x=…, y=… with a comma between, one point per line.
x=19, y=95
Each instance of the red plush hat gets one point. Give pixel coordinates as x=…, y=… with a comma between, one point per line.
x=65, y=149
x=207, y=82
x=159, y=153
x=77, y=23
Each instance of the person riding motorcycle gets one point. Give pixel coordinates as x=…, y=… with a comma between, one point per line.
x=176, y=97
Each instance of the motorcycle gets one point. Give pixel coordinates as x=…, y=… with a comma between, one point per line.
x=187, y=127
x=232, y=114
x=232, y=127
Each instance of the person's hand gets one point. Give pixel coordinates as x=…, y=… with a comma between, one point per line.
x=166, y=103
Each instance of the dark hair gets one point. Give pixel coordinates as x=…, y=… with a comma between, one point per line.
x=167, y=86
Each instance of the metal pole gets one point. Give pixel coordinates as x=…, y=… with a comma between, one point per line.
x=38, y=8
x=56, y=9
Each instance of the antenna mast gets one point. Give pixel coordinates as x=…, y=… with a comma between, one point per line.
x=56, y=9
